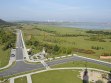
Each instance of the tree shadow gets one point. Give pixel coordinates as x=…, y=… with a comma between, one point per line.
x=109, y=78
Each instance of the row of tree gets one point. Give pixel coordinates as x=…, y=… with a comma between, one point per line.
x=99, y=32
x=83, y=51
x=96, y=48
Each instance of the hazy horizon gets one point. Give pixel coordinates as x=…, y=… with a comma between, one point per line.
x=58, y=10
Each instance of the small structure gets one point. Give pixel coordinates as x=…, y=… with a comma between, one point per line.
x=43, y=51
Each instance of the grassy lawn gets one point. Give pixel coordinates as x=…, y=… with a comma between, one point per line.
x=57, y=76
x=6, y=82
x=20, y=80
x=82, y=64
x=8, y=67
x=4, y=56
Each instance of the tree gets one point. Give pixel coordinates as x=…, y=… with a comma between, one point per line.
x=56, y=48
x=36, y=43
x=69, y=50
x=97, y=48
x=63, y=49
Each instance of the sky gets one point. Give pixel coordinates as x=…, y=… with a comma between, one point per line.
x=56, y=10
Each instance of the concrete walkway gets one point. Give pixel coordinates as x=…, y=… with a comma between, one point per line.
x=29, y=80
x=12, y=80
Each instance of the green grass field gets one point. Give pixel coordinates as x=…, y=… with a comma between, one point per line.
x=80, y=41
x=57, y=76
x=82, y=64
x=20, y=80
x=4, y=56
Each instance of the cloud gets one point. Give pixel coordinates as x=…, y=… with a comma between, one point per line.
x=24, y=8
x=53, y=5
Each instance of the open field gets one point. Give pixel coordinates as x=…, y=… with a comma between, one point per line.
x=56, y=76
x=20, y=80
x=81, y=42
x=82, y=64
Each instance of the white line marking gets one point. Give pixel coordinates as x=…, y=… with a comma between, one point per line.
x=19, y=60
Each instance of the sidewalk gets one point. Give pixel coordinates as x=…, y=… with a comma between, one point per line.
x=12, y=80
x=29, y=80
x=24, y=50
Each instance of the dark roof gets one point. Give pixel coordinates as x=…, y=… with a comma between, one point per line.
x=12, y=55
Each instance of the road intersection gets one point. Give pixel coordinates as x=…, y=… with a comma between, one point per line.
x=21, y=66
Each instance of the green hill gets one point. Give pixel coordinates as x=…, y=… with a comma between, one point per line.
x=5, y=24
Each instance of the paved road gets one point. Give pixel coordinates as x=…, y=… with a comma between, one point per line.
x=21, y=66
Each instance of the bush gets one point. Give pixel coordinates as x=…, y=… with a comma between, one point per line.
x=69, y=50
x=28, y=42
x=29, y=53
x=1, y=78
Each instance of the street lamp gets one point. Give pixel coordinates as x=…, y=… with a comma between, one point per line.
x=86, y=64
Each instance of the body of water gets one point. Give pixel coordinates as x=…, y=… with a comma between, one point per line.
x=88, y=27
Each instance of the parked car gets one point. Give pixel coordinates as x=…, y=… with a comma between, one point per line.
x=12, y=55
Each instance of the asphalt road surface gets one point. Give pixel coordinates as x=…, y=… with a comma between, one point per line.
x=20, y=66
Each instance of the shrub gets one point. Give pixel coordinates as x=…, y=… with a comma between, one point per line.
x=28, y=42
x=1, y=78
